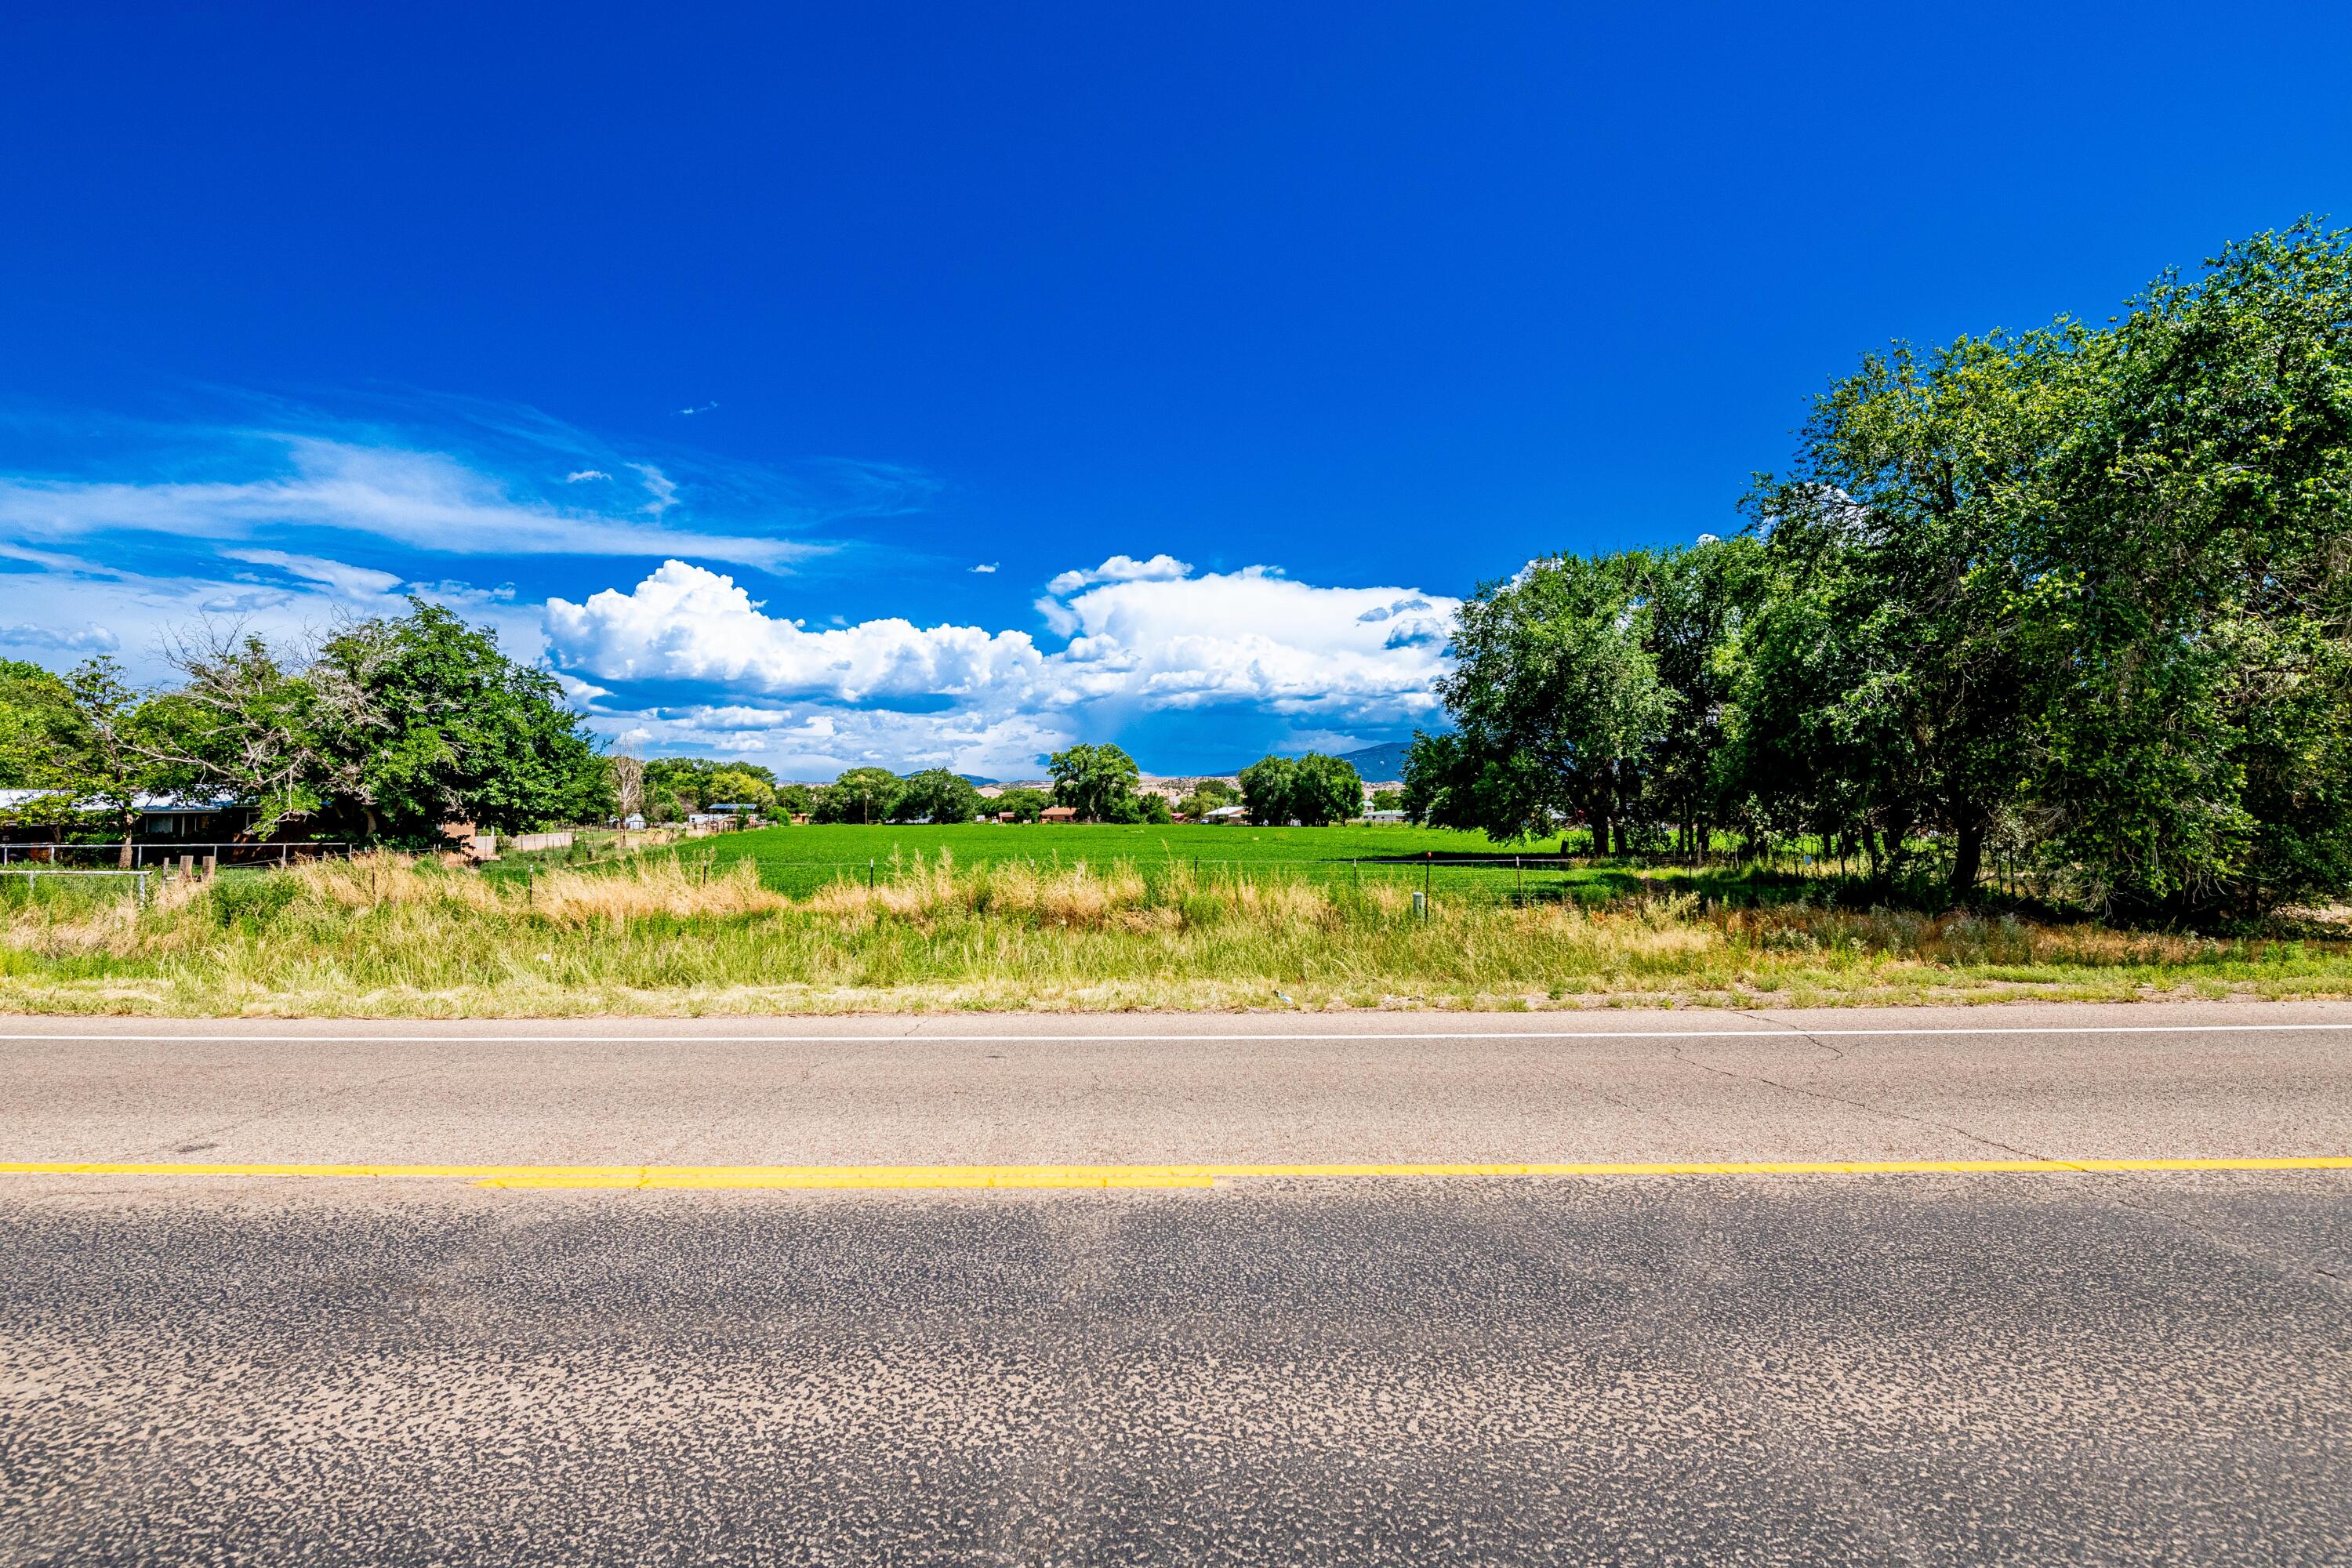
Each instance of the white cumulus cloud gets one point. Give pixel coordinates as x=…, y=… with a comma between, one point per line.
x=688, y=623
x=1141, y=635
x=1119, y=569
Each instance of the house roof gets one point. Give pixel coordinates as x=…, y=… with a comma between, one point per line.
x=159, y=805
x=151, y=805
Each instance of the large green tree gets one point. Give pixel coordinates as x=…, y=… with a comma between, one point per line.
x=860, y=795
x=103, y=760
x=1313, y=790
x=1556, y=698
x=676, y=787
x=2187, y=610
x=1699, y=600
x=37, y=724
x=1896, y=540
x=1021, y=804
x=2091, y=582
x=424, y=722
x=1267, y=786
x=738, y=783
x=1097, y=781
x=940, y=795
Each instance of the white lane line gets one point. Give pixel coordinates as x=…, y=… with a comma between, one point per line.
x=1785, y=1032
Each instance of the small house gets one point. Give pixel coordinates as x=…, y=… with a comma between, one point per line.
x=1058, y=814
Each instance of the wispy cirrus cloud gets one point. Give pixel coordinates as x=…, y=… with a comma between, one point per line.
x=352, y=582
x=420, y=499
x=280, y=594
x=288, y=516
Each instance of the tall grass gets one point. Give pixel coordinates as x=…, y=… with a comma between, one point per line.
x=389, y=935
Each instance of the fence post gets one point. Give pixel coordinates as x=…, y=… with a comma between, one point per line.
x=869, y=873
x=212, y=866
x=1519, y=874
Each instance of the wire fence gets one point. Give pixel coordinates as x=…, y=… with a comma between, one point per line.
x=33, y=875
x=159, y=854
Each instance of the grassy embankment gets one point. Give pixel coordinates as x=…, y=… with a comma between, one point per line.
x=390, y=936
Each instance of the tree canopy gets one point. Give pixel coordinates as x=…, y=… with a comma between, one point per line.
x=388, y=729
x=37, y=724
x=2081, y=596
x=1021, y=804
x=939, y=795
x=439, y=726
x=1097, y=782
x=860, y=795
x=1314, y=790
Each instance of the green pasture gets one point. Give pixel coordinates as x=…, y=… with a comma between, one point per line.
x=800, y=860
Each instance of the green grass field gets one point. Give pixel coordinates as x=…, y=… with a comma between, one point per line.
x=799, y=862
x=1095, y=843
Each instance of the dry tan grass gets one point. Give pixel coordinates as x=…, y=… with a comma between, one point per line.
x=1073, y=895
x=385, y=935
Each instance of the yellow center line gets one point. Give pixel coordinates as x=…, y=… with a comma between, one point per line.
x=1141, y=1175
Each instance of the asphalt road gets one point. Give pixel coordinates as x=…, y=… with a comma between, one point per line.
x=2059, y=1366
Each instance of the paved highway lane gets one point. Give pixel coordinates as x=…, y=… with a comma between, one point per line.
x=2052, y=1367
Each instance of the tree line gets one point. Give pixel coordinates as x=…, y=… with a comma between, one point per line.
x=2074, y=599
x=390, y=728
x=1100, y=782
x=383, y=731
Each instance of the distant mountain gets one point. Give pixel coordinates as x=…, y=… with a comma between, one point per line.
x=1377, y=762
x=976, y=781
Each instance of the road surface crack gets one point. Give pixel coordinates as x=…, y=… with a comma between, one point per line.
x=1676, y=1052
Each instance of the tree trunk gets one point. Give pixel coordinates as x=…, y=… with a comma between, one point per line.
x=1968, y=857
x=1607, y=790
x=124, y=862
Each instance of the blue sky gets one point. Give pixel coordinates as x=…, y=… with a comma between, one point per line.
x=941, y=383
